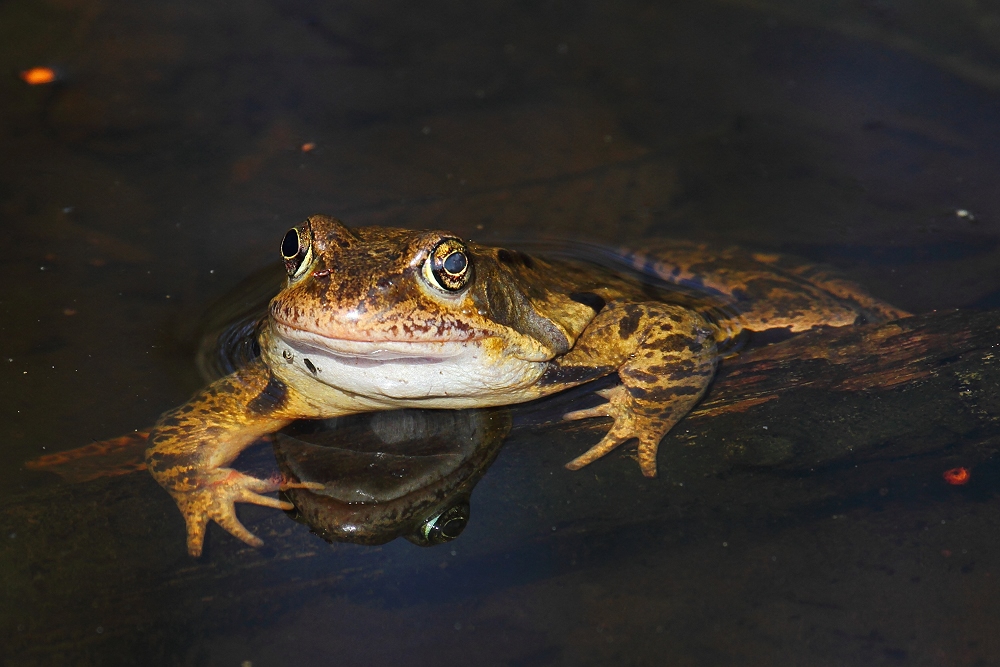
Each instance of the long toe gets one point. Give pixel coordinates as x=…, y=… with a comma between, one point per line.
x=247, y=496
x=606, y=445
x=229, y=521
x=196, y=524
x=603, y=410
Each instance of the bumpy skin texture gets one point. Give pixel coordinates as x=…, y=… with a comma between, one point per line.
x=376, y=318
x=665, y=356
x=191, y=446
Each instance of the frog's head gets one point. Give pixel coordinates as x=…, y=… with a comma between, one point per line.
x=380, y=296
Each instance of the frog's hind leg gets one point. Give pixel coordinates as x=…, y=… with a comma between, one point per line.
x=829, y=280
x=118, y=456
x=668, y=364
x=763, y=290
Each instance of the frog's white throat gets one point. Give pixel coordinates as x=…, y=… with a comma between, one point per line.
x=447, y=374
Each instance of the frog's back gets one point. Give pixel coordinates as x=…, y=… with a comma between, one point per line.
x=764, y=291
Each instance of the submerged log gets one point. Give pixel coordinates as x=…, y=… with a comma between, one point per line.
x=913, y=386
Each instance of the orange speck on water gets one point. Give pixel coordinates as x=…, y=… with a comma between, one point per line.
x=956, y=476
x=308, y=146
x=38, y=75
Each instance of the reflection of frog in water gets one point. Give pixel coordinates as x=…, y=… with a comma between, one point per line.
x=376, y=319
x=383, y=475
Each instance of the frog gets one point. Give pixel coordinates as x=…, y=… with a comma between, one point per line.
x=378, y=318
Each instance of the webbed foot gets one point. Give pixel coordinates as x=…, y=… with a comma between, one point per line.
x=668, y=360
x=215, y=500
x=628, y=424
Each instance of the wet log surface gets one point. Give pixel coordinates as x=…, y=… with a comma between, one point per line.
x=790, y=433
x=909, y=387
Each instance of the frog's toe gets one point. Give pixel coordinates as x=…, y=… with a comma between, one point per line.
x=200, y=507
x=235, y=527
x=605, y=446
x=309, y=486
x=618, y=435
x=602, y=410
x=628, y=424
x=196, y=523
x=647, y=454
x=267, y=501
x=617, y=408
x=248, y=489
x=617, y=398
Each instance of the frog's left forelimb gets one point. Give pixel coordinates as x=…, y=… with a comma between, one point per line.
x=666, y=357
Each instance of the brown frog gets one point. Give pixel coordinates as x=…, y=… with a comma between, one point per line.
x=377, y=319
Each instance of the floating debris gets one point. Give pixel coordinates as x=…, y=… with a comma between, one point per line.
x=37, y=76
x=957, y=476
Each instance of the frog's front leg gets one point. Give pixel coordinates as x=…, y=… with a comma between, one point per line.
x=192, y=445
x=665, y=356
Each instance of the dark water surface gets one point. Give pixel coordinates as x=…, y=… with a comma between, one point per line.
x=165, y=163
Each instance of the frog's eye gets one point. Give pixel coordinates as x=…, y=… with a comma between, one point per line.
x=448, y=267
x=296, y=250
x=446, y=526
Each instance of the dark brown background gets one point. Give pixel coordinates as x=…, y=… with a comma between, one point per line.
x=165, y=165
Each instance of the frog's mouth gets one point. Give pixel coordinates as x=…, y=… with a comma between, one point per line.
x=367, y=352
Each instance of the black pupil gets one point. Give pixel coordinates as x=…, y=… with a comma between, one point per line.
x=455, y=263
x=290, y=244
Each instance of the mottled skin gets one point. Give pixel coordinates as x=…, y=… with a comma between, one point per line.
x=375, y=318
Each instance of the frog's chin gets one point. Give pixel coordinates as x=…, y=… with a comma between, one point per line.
x=392, y=373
